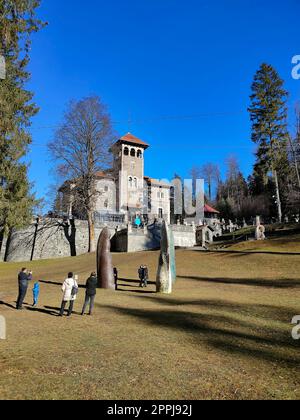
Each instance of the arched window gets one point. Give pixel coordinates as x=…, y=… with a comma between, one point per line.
x=106, y=204
x=135, y=182
x=140, y=154
x=126, y=151
x=132, y=153
x=130, y=182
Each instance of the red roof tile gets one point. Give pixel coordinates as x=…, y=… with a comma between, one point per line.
x=208, y=209
x=129, y=138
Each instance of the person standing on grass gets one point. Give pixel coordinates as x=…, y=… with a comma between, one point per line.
x=70, y=291
x=90, y=293
x=24, y=278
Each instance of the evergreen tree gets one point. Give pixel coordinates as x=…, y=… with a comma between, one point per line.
x=17, y=22
x=268, y=113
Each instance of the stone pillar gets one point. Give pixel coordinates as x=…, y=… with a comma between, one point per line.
x=104, y=262
x=166, y=273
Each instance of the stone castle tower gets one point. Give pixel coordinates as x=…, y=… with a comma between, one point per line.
x=128, y=170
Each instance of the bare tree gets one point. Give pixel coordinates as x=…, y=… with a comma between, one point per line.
x=211, y=174
x=81, y=148
x=295, y=145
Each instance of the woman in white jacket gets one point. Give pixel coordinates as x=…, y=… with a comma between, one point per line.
x=69, y=289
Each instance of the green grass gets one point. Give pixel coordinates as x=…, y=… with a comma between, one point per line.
x=225, y=332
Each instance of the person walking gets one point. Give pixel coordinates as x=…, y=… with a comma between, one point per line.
x=24, y=278
x=90, y=294
x=36, y=293
x=70, y=291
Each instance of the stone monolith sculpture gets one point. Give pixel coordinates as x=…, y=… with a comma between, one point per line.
x=260, y=230
x=166, y=273
x=104, y=262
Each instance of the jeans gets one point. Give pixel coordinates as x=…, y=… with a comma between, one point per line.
x=23, y=286
x=63, y=305
x=88, y=300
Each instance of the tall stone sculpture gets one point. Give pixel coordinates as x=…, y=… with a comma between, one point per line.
x=166, y=273
x=260, y=230
x=104, y=262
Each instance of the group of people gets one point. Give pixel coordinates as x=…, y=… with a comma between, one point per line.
x=70, y=289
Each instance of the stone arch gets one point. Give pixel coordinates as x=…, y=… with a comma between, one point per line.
x=126, y=151
x=132, y=153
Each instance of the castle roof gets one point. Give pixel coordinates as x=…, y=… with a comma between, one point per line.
x=208, y=209
x=131, y=139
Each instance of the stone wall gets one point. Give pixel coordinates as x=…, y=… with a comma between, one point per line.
x=52, y=238
x=55, y=238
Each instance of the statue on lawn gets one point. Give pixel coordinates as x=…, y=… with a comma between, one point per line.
x=105, y=269
x=166, y=274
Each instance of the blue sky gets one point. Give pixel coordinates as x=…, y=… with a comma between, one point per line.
x=151, y=59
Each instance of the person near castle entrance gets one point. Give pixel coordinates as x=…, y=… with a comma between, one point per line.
x=24, y=278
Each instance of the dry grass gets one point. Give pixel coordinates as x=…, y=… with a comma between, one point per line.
x=224, y=333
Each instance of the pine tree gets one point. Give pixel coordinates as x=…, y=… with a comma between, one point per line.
x=17, y=22
x=268, y=113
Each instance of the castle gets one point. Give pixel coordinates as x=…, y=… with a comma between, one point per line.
x=124, y=193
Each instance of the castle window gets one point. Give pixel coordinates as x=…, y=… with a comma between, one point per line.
x=132, y=153
x=126, y=151
x=140, y=154
x=135, y=183
x=106, y=204
x=130, y=182
x=106, y=188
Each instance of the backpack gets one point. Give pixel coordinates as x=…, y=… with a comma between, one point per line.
x=75, y=290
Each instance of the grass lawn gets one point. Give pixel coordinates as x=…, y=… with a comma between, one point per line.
x=225, y=332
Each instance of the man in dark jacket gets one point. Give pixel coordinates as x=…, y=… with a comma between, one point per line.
x=91, y=287
x=24, y=278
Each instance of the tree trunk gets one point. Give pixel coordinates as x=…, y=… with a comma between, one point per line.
x=1, y=239
x=279, y=208
x=295, y=161
x=91, y=224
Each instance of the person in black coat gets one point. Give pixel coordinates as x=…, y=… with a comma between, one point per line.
x=24, y=278
x=90, y=294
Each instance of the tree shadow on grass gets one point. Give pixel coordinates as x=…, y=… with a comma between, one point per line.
x=277, y=284
x=223, y=333
x=267, y=312
x=250, y=252
x=135, y=281
x=128, y=283
x=53, y=283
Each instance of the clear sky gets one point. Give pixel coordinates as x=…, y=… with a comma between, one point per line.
x=181, y=70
